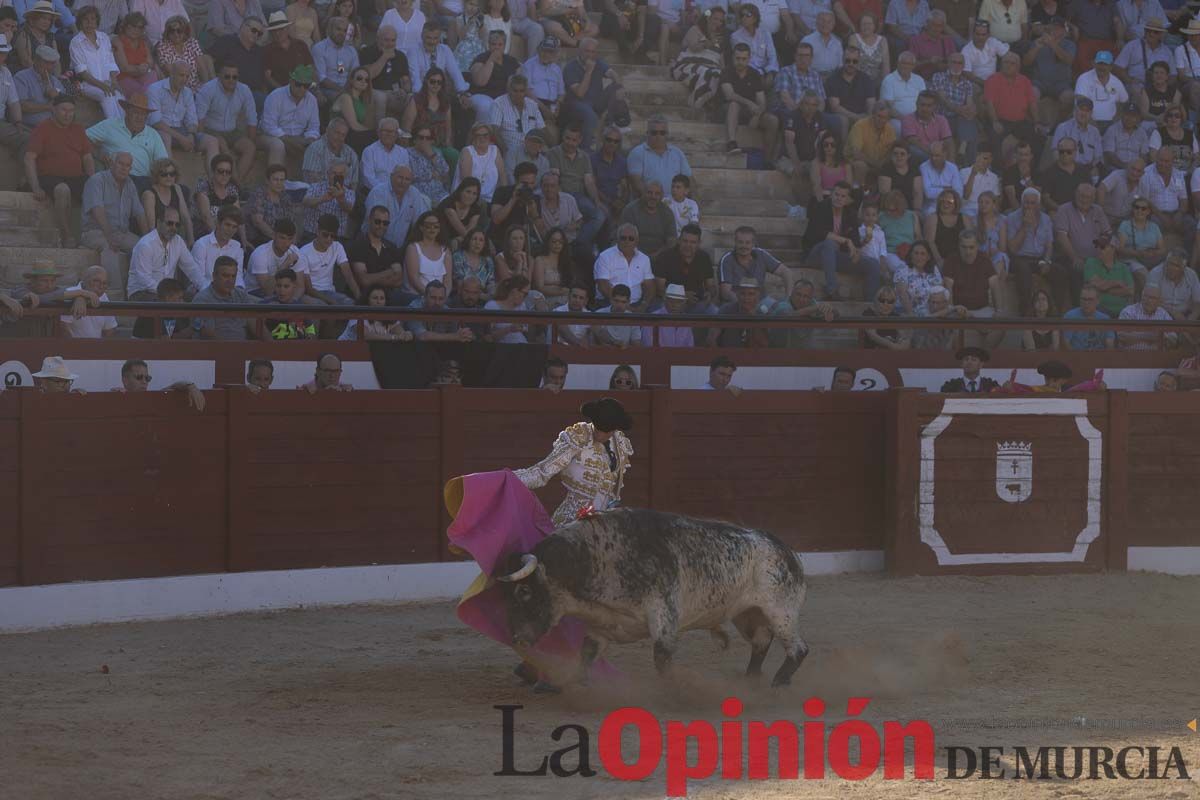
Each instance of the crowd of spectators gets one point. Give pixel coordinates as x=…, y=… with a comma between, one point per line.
x=452, y=157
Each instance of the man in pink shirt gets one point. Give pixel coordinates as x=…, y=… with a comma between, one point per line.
x=924, y=127
x=675, y=300
x=328, y=375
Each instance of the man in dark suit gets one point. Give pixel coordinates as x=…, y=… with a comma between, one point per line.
x=971, y=382
x=832, y=239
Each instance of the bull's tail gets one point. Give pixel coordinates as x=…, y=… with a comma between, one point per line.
x=720, y=637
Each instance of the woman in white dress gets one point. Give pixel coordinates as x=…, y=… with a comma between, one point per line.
x=482, y=159
x=427, y=258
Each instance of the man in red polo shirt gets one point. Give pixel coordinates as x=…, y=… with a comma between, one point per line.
x=1011, y=106
x=58, y=160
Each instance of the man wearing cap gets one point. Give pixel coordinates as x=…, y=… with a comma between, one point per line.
x=58, y=161
x=38, y=85
x=981, y=52
x=383, y=155
x=515, y=114
x=674, y=302
x=546, y=84
x=533, y=151
x=1187, y=63
x=131, y=135
x=388, y=66
x=1049, y=59
x=976, y=282
x=242, y=50
x=328, y=150
x=13, y=133
x=1126, y=141
x=335, y=58
x=226, y=112
x=225, y=17
x=175, y=117
x=110, y=202
x=971, y=359
x=157, y=12
x=432, y=53
x=1134, y=18
x=1102, y=88
x=291, y=120
x=284, y=52
x=159, y=254
x=1138, y=54
x=748, y=296
x=1089, y=148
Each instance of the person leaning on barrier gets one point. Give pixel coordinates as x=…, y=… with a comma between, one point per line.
x=55, y=377
x=554, y=375
x=1166, y=381
x=434, y=300
x=260, y=374
x=720, y=376
x=975, y=282
x=843, y=379
x=224, y=289
x=799, y=304
x=135, y=377
x=327, y=376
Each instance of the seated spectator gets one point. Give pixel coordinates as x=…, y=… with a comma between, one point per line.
x=1043, y=308
x=956, y=101
x=744, y=89
x=972, y=360
x=290, y=119
x=55, y=377
x=749, y=297
x=331, y=197
x=432, y=105
x=546, y=86
x=828, y=168
x=159, y=254
x=975, y=282
x=130, y=135
x=574, y=167
x=936, y=175
x=902, y=88
x=58, y=162
x=553, y=272
x=655, y=158
x=335, y=58
x=794, y=82
x=383, y=155
x=833, y=243
x=514, y=115
x=720, y=376
x=515, y=259
x=685, y=210
x=625, y=263
x=165, y=191
x=289, y=291
x=1088, y=309
x=286, y=52
x=431, y=53
x=932, y=45
x=472, y=260
x=260, y=374
x=901, y=227
x=1179, y=286
x=1050, y=56
x=470, y=297
x=802, y=128
x=168, y=290
x=430, y=170
x=517, y=205
x=241, y=49
x=532, y=150
x=511, y=294
x=331, y=149
x=38, y=84
x=110, y=212
x=1103, y=88
x=1140, y=241
x=93, y=62
x=1112, y=278
x=1078, y=225
x=1117, y=192
x=850, y=94
x=554, y=375
x=751, y=33
x=827, y=48
x=1089, y=145
x=980, y=54
x=944, y=225
x=327, y=377
x=800, y=304
x=560, y=211
x=215, y=195
x=992, y=233
x=938, y=307
x=403, y=203
x=1159, y=95
x=320, y=260
x=426, y=257
x=870, y=144
x=916, y=279
x=924, y=127
x=224, y=289
x=375, y=261
x=1164, y=187
x=978, y=178
x=90, y=291
x=1030, y=240
x=675, y=300
x=480, y=159
x=577, y=335
x=226, y=18
x=355, y=106
x=226, y=111
x=1166, y=381
x=269, y=204
x=490, y=72
x=177, y=44
x=689, y=266
x=270, y=257
x=621, y=336
x=221, y=242
x=1018, y=177
x=131, y=50
x=1126, y=141
x=1010, y=103
x=874, y=240
x=866, y=36
x=176, y=119
x=623, y=378
x=653, y=219
x=387, y=64
x=588, y=99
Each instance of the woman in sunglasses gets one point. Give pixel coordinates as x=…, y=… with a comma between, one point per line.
x=179, y=45
x=431, y=107
x=132, y=52
x=165, y=192
x=884, y=338
x=762, y=49
x=1140, y=240
x=227, y=16
x=356, y=105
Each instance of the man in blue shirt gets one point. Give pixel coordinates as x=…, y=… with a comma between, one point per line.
x=587, y=96
x=1089, y=308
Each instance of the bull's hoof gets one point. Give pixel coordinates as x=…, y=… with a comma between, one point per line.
x=526, y=673
x=543, y=687
x=780, y=682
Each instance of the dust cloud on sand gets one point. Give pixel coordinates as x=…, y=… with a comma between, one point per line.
x=397, y=701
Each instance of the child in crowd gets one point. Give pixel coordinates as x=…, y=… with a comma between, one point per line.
x=168, y=290
x=874, y=243
x=685, y=209
x=289, y=291
x=376, y=329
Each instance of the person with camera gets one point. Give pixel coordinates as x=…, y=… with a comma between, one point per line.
x=331, y=196
x=518, y=205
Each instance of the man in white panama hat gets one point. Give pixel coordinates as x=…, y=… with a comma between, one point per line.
x=55, y=377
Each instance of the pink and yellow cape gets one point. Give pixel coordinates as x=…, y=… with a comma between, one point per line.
x=495, y=516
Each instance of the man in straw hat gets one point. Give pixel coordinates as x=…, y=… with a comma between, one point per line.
x=1137, y=55
x=13, y=134
x=41, y=287
x=131, y=135
x=55, y=377
x=1187, y=63
x=290, y=120
x=674, y=302
x=284, y=53
x=46, y=23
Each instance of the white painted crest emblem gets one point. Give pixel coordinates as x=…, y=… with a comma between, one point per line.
x=1014, y=471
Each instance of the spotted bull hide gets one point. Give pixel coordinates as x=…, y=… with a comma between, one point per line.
x=632, y=574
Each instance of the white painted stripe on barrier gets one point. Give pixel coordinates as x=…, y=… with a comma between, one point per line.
x=1171, y=560
x=28, y=608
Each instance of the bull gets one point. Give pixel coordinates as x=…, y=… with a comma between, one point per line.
x=632, y=574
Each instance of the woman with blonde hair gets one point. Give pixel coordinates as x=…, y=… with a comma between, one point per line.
x=356, y=105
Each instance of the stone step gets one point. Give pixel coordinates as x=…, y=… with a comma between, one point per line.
x=646, y=72
x=716, y=159
x=15, y=261
x=718, y=223
x=11, y=218
x=745, y=207
x=19, y=201
x=787, y=255
x=741, y=183
x=27, y=236
x=772, y=241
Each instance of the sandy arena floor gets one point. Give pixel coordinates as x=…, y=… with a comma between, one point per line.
x=396, y=702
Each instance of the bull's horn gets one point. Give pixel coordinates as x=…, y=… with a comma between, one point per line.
x=529, y=563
